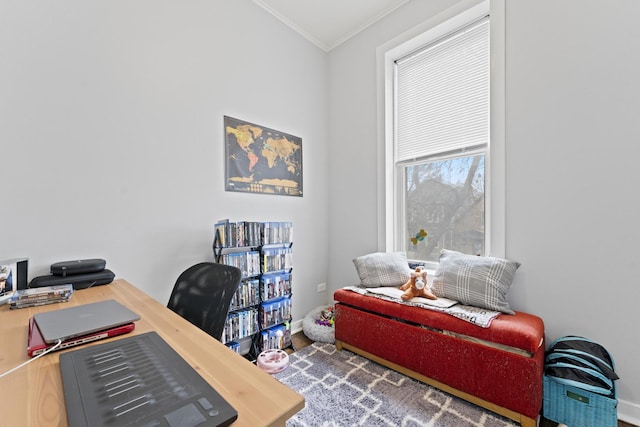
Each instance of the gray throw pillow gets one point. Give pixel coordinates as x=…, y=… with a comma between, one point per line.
x=383, y=269
x=475, y=280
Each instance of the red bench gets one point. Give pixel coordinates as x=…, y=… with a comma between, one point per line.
x=499, y=368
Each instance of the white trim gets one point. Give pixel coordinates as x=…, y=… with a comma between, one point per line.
x=629, y=412
x=437, y=26
x=296, y=326
x=496, y=241
x=366, y=24
x=295, y=27
x=329, y=44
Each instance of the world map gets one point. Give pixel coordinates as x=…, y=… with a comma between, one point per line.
x=262, y=160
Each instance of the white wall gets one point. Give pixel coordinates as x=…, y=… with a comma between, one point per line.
x=111, y=133
x=354, y=151
x=573, y=101
x=572, y=108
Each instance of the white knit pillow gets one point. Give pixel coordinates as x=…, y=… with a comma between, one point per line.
x=383, y=269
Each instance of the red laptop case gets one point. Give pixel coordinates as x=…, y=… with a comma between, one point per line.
x=36, y=344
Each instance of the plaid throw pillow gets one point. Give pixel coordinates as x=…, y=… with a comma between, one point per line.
x=474, y=280
x=383, y=269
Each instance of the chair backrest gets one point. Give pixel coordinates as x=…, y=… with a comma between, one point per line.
x=202, y=295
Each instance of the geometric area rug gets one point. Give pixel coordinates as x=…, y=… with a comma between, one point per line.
x=344, y=389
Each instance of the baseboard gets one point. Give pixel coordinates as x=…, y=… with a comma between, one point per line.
x=296, y=326
x=629, y=412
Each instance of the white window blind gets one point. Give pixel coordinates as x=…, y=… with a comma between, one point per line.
x=442, y=95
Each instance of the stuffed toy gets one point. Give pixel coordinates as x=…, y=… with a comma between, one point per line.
x=326, y=317
x=417, y=286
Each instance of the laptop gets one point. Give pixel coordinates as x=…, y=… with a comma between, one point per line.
x=67, y=323
x=36, y=344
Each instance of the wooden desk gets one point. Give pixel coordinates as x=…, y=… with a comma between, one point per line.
x=33, y=396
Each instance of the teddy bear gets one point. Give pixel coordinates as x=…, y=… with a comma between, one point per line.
x=417, y=286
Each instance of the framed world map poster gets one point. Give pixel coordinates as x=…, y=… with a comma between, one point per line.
x=262, y=160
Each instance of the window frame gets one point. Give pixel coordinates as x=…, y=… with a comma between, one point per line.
x=390, y=185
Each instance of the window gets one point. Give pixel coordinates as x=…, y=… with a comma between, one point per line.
x=445, y=199
x=439, y=151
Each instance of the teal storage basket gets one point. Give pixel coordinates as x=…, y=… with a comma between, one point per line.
x=577, y=407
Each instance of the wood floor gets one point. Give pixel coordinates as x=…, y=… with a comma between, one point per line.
x=300, y=341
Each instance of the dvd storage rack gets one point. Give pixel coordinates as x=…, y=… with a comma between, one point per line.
x=260, y=313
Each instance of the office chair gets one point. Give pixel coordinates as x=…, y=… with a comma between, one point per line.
x=202, y=295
